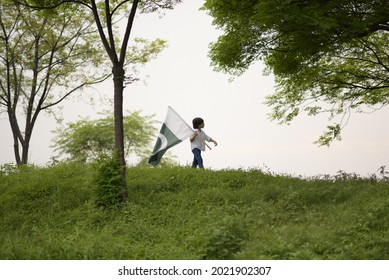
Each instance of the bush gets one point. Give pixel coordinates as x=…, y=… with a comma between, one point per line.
x=108, y=182
x=226, y=241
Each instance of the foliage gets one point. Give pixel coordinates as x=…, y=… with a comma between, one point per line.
x=106, y=16
x=327, y=56
x=108, y=181
x=86, y=140
x=44, y=58
x=226, y=241
x=183, y=213
x=8, y=168
x=141, y=52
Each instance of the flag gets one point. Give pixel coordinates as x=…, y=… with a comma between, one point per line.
x=173, y=131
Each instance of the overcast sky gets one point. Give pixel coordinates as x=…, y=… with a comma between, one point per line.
x=234, y=112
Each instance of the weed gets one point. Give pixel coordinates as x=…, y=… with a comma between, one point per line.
x=384, y=174
x=108, y=181
x=226, y=241
x=8, y=168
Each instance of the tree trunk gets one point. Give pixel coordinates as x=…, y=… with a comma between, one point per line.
x=16, y=147
x=21, y=157
x=15, y=133
x=118, y=80
x=26, y=145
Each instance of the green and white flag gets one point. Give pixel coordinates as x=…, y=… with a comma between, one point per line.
x=173, y=131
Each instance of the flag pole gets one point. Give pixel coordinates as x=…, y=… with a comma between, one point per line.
x=201, y=138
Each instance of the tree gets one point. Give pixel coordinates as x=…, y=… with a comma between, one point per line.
x=86, y=140
x=105, y=14
x=327, y=56
x=40, y=65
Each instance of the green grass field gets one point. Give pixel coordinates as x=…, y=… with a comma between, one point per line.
x=182, y=213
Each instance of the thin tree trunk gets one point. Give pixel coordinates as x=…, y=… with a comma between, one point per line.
x=21, y=156
x=118, y=79
x=16, y=134
x=26, y=146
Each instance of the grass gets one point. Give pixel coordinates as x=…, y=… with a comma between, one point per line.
x=182, y=213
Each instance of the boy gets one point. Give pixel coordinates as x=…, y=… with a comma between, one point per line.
x=197, y=142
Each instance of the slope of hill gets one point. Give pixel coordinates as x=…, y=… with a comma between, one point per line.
x=181, y=213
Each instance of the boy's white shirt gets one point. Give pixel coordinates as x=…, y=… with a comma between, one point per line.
x=197, y=143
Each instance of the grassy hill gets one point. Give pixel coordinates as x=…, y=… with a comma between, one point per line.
x=181, y=213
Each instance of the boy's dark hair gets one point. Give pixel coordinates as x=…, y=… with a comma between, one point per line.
x=196, y=122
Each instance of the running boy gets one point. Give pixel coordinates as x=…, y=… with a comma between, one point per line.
x=197, y=142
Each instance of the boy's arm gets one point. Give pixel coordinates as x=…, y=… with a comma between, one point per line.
x=213, y=141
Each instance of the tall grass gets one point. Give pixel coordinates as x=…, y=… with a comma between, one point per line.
x=182, y=213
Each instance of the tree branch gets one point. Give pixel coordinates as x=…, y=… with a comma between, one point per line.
x=54, y=6
x=118, y=6
x=103, y=78
x=128, y=31
x=109, y=50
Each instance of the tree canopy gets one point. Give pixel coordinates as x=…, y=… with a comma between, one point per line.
x=45, y=56
x=327, y=56
x=86, y=140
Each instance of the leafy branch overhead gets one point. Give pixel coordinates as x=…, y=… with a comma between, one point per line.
x=327, y=56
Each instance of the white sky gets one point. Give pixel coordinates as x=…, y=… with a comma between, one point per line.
x=234, y=112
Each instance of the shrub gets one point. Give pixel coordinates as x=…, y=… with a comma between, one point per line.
x=108, y=182
x=226, y=241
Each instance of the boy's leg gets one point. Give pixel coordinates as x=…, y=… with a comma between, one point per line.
x=197, y=158
x=194, y=163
